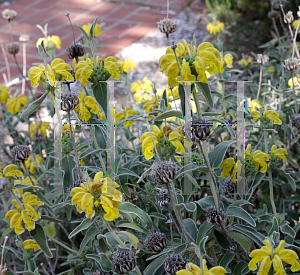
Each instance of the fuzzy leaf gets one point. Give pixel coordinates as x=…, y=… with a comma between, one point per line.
x=39, y=235
x=34, y=105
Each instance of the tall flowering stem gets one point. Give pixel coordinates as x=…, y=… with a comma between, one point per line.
x=271, y=191
x=294, y=92
x=260, y=81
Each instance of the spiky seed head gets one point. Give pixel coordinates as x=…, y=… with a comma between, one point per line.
x=164, y=172
x=70, y=101
x=163, y=198
x=174, y=263
x=156, y=242
x=13, y=47
x=20, y=153
x=24, y=38
x=288, y=18
x=166, y=26
x=38, y=137
x=123, y=261
x=291, y=64
x=229, y=187
x=9, y=14
x=214, y=215
x=200, y=129
x=262, y=59
x=75, y=51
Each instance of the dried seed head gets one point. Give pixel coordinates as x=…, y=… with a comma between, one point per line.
x=75, y=51
x=174, y=263
x=166, y=26
x=262, y=59
x=296, y=122
x=174, y=46
x=277, y=3
x=214, y=215
x=3, y=269
x=229, y=187
x=100, y=272
x=164, y=172
x=163, y=198
x=200, y=129
x=291, y=64
x=70, y=101
x=288, y=18
x=24, y=38
x=273, y=14
x=156, y=242
x=9, y=14
x=13, y=47
x=123, y=261
x=233, y=247
x=38, y=137
x=20, y=153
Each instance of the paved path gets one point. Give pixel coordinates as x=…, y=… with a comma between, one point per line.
x=124, y=22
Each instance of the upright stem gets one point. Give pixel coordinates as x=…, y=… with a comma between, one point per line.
x=271, y=191
x=260, y=81
x=61, y=244
x=212, y=182
x=74, y=147
x=295, y=98
x=187, y=235
x=196, y=98
x=97, y=147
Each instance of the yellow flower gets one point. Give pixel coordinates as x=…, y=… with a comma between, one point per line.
x=227, y=165
x=101, y=70
x=125, y=114
x=193, y=62
x=236, y=173
x=37, y=74
x=260, y=159
x=172, y=135
x=10, y=171
x=192, y=269
x=25, y=181
x=31, y=244
x=141, y=89
x=295, y=23
x=25, y=213
x=244, y=62
x=227, y=60
x=154, y=103
x=128, y=65
x=278, y=153
x=296, y=81
x=80, y=58
x=101, y=115
x=101, y=192
x=269, y=256
x=272, y=115
x=4, y=94
x=271, y=69
x=215, y=27
x=50, y=42
x=253, y=104
x=14, y=105
x=31, y=162
x=61, y=70
x=256, y=115
x=248, y=152
x=97, y=29
x=40, y=128
x=66, y=129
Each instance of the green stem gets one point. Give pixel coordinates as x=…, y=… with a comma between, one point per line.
x=196, y=98
x=271, y=191
x=97, y=147
x=28, y=265
x=61, y=244
x=266, y=142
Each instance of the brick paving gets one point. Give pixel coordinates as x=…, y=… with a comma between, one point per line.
x=123, y=23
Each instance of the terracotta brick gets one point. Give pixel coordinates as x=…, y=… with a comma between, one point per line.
x=122, y=11
x=109, y=50
x=25, y=29
x=116, y=30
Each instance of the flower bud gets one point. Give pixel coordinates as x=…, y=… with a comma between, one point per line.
x=288, y=18
x=67, y=146
x=165, y=148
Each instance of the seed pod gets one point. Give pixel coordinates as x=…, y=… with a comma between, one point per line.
x=273, y=14
x=100, y=272
x=214, y=215
x=74, y=51
x=156, y=242
x=164, y=172
x=296, y=122
x=70, y=101
x=163, y=198
x=20, y=153
x=13, y=47
x=123, y=261
x=262, y=59
x=291, y=64
x=288, y=18
x=174, y=263
x=200, y=129
x=167, y=26
x=38, y=137
x=9, y=14
x=229, y=187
